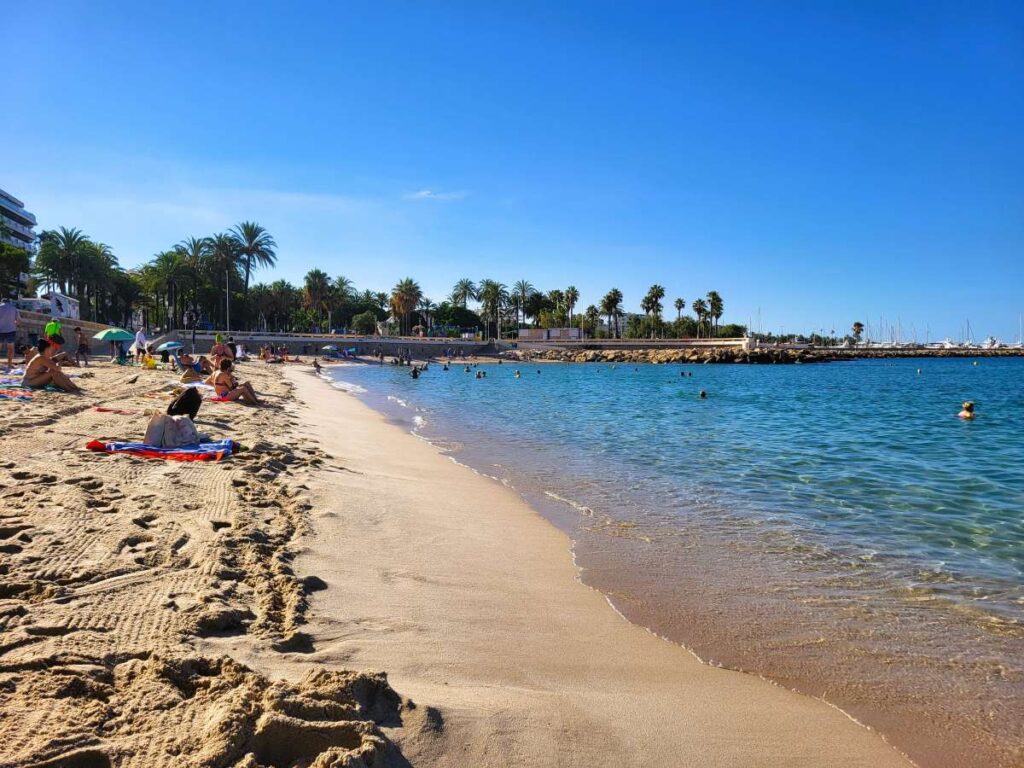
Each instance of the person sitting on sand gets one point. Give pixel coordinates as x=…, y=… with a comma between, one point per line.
x=220, y=351
x=968, y=411
x=227, y=387
x=42, y=371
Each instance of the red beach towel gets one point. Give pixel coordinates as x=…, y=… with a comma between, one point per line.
x=215, y=451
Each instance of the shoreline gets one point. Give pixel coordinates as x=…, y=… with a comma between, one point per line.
x=871, y=656
x=365, y=453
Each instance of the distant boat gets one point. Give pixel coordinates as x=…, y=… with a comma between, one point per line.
x=991, y=343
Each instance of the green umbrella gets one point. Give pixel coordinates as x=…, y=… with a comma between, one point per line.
x=114, y=334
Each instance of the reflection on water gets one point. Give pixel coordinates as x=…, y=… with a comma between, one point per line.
x=835, y=527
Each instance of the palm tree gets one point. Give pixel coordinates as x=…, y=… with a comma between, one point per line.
x=59, y=258
x=716, y=307
x=700, y=309
x=592, y=314
x=464, y=291
x=572, y=295
x=651, y=305
x=611, y=306
x=193, y=252
x=404, y=297
x=427, y=308
x=493, y=297
x=316, y=292
x=679, y=304
x=256, y=248
x=523, y=290
x=858, y=330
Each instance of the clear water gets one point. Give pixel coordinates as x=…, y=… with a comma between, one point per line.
x=850, y=535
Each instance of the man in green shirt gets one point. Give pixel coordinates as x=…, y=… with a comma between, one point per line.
x=52, y=329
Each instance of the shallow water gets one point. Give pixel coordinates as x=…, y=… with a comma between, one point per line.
x=834, y=527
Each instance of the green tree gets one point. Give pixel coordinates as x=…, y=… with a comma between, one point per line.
x=858, y=331
x=365, y=323
x=572, y=297
x=493, y=297
x=715, y=308
x=463, y=292
x=316, y=294
x=523, y=290
x=255, y=247
x=404, y=297
x=700, y=309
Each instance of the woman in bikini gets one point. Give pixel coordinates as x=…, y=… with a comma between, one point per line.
x=228, y=388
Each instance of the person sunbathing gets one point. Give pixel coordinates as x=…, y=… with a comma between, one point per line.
x=227, y=387
x=200, y=365
x=42, y=371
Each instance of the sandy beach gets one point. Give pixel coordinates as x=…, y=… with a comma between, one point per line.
x=161, y=613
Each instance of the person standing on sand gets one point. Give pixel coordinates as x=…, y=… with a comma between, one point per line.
x=53, y=329
x=81, y=348
x=140, y=344
x=9, y=321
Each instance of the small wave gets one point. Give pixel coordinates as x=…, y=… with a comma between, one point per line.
x=581, y=508
x=398, y=400
x=348, y=386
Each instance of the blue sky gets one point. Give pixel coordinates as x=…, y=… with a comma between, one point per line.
x=815, y=163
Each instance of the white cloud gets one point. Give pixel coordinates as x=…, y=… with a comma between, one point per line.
x=429, y=194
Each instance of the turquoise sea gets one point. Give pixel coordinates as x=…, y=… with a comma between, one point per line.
x=834, y=527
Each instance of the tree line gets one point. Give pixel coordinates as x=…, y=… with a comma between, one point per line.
x=209, y=281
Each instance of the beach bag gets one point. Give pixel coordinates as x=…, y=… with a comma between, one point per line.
x=180, y=431
x=186, y=404
x=166, y=431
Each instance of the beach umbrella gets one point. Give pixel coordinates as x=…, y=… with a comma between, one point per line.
x=114, y=334
x=169, y=346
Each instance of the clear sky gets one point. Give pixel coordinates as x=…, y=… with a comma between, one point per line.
x=816, y=163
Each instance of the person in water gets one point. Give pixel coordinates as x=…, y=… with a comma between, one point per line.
x=43, y=371
x=703, y=395
x=415, y=373
x=227, y=387
x=968, y=411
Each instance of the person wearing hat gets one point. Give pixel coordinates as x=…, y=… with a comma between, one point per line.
x=968, y=411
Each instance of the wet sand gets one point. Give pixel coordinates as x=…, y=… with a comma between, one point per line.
x=472, y=603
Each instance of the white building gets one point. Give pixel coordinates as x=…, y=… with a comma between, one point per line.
x=16, y=224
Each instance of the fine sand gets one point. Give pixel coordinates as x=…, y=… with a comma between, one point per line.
x=471, y=602
x=154, y=613
x=113, y=568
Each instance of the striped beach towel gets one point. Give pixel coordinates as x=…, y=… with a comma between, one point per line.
x=214, y=451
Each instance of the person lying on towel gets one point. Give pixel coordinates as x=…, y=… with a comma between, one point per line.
x=200, y=365
x=43, y=371
x=228, y=388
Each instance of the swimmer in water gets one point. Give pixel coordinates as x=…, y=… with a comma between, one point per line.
x=968, y=411
x=703, y=395
x=517, y=373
